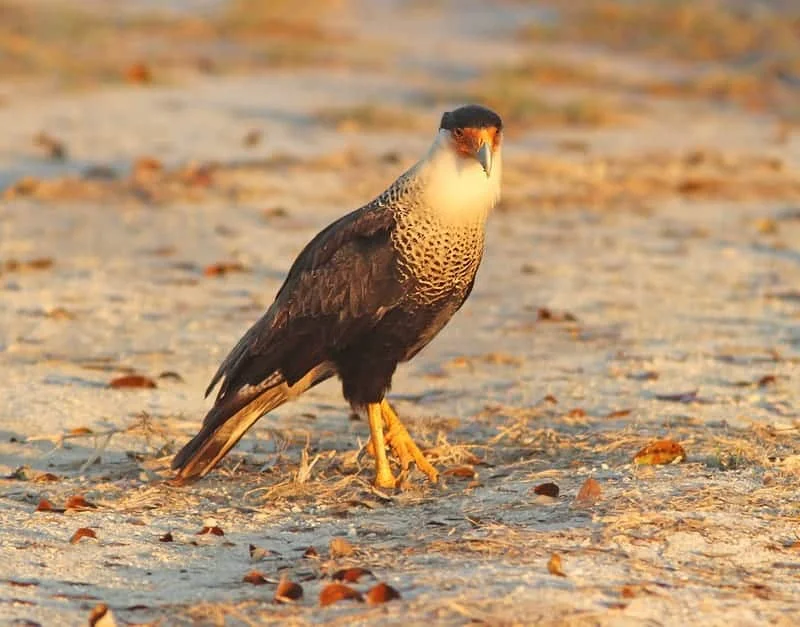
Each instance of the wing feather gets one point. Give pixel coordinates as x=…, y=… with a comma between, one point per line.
x=342, y=282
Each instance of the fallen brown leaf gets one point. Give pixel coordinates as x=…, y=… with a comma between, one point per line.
x=351, y=575
x=167, y=537
x=80, y=431
x=462, y=472
x=501, y=359
x=255, y=577
x=25, y=186
x=46, y=506
x=554, y=565
x=627, y=592
x=340, y=547
x=619, y=413
x=762, y=382
x=696, y=185
x=761, y=590
x=548, y=489
x=212, y=530
x=83, y=532
x=223, y=268
x=544, y=314
x=381, y=593
x=660, y=452
x=590, y=492
x=460, y=362
x=79, y=503
x=39, y=263
x=132, y=381
x=146, y=166
x=19, y=583
x=59, y=313
x=138, y=73
x=335, y=592
x=311, y=553
x=679, y=397
x=198, y=174
x=288, y=592
x=101, y=616
x=644, y=375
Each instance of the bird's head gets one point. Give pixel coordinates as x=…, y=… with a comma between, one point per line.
x=474, y=133
x=463, y=169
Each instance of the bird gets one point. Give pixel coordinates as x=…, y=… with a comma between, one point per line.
x=367, y=293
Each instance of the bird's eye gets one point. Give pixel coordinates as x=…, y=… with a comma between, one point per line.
x=458, y=133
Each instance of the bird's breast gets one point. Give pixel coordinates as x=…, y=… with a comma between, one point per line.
x=438, y=259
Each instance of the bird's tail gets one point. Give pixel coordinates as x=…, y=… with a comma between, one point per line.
x=223, y=427
x=231, y=417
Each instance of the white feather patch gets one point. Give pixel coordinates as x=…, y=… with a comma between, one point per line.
x=456, y=187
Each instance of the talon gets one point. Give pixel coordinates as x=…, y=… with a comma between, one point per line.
x=398, y=438
x=385, y=480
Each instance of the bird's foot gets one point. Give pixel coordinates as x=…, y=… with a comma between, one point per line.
x=403, y=446
x=407, y=451
x=401, y=443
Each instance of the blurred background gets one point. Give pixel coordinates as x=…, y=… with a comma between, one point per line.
x=162, y=162
x=581, y=72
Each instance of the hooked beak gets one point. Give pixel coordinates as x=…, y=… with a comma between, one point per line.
x=484, y=157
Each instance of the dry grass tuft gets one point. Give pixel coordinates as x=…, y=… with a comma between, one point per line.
x=714, y=30
x=277, y=18
x=548, y=71
x=523, y=109
x=61, y=40
x=370, y=118
x=633, y=182
x=738, y=53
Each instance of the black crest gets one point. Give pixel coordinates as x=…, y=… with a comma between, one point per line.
x=471, y=116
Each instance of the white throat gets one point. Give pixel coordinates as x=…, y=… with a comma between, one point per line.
x=456, y=188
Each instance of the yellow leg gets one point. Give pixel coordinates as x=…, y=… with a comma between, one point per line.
x=398, y=438
x=383, y=474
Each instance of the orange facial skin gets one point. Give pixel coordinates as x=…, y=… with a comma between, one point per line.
x=468, y=140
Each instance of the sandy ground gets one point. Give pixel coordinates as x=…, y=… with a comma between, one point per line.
x=684, y=323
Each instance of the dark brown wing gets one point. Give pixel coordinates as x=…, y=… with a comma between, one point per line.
x=343, y=280
x=339, y=286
